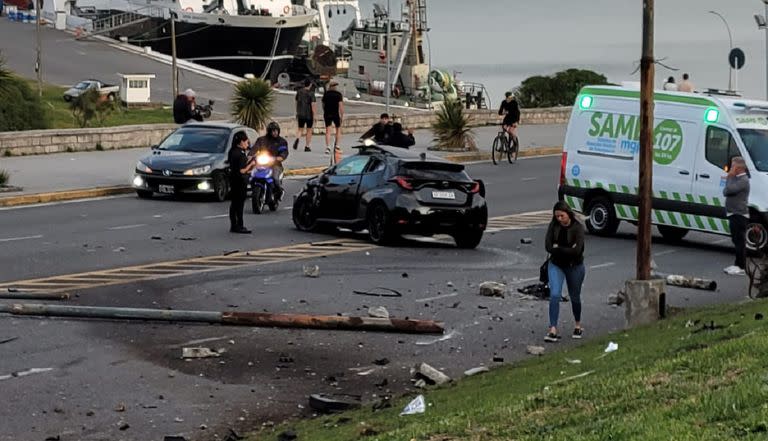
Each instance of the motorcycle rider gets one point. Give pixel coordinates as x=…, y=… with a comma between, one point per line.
x=276, y=146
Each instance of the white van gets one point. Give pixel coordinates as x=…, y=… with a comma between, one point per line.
x=695, y=135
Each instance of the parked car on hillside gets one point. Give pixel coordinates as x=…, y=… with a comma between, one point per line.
x=193, y=159
x=107, y=90
x=391, y=191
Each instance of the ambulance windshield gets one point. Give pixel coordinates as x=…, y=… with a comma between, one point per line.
x=756, y=141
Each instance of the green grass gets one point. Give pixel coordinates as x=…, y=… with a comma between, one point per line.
x=666, y=382
x=61, y=116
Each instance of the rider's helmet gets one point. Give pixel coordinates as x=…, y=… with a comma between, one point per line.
x=273, y=126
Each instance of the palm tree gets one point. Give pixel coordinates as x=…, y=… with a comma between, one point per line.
x=451, y=128
x=252, y=103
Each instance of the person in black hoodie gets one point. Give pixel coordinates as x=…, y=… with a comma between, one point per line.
x=400, y=139
x=381, y=131
x=565, y=244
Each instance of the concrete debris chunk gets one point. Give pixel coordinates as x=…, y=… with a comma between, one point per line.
x=535, y=350
x=201, y=352
x=430, y=374
x=526, y=241
x=476, y=371
x=493, y=289
x=311, y=271
x=378, y=312
x=616, y=298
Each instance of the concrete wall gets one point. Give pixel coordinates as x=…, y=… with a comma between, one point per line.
x=40, y=142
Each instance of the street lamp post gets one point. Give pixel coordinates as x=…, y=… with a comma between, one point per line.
x=730, y=40
x=762, y=23
x=388, y=86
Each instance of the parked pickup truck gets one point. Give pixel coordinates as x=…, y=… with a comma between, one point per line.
x=108, y=90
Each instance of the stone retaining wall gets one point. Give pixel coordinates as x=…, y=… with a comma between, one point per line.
x=39, y=142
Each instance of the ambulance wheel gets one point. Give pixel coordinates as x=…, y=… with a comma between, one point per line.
x=672, y=234
x=601, y=217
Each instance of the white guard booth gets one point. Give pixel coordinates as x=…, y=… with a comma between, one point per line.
x=135, y=88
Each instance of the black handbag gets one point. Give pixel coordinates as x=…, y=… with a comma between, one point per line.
x=544, y=272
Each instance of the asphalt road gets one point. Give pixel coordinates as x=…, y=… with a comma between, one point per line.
x=67, y=61
x=99, y=366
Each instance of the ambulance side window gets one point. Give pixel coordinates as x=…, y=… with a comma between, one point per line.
x=720, y=147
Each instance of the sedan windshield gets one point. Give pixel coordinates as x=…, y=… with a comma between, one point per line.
x=756, y=141
x=197, y=140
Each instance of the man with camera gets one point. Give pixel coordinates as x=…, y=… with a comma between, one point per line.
x=185, y=108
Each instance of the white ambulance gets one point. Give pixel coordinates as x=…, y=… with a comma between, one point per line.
x=695, y=135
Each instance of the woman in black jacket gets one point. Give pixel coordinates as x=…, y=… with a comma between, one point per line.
x=565, y=244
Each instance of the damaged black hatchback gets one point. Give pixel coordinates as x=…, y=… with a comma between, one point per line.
x=389, y=192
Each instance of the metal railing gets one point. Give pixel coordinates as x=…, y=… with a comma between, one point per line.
x=117, y=21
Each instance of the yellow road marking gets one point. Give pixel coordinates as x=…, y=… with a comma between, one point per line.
x=162, y=270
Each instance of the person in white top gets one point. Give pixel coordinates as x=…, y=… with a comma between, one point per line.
x=670, y=84
x=686, y=85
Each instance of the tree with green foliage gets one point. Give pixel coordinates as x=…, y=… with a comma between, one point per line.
x=451, y=128
x=559, y=89
x=252, y=103
x=104, y=109
x=21, y=108
x=84, y=107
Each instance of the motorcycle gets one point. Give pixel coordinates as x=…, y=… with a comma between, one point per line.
x=203, y=111
x=263, y=189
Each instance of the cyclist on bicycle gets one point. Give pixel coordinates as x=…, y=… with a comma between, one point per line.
x=511, y=112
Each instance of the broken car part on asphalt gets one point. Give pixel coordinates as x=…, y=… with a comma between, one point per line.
x=256, y=319
x=201, y=352
x=383, y=292
x=325, y=403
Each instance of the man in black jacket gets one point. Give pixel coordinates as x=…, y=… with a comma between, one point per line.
x=184, y=108
x=400, y=139
x=277, y=146
x=381, y=131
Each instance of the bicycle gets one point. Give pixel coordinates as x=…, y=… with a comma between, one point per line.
x=504, y=144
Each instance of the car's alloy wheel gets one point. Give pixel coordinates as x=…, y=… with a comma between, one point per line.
x=220, y=187
x=379, y=228
x=757, y=236
x=303, y=214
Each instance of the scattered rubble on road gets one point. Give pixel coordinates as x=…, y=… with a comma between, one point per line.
x=379, y=292
x=430, y=375
x=535, y=350
x=312, y=271
x=526, y=241
x=476, y=371
x=201, y=352
x=493, y=289
x=378, y=312
x=326, y=403
x=616, y=299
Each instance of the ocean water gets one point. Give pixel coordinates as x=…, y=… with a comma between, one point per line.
x=706, y=62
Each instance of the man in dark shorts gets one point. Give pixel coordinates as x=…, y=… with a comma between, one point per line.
x=333, y=113
x=306, y=107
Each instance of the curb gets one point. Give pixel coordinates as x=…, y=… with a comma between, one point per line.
x=90, y=193
x=66, y=195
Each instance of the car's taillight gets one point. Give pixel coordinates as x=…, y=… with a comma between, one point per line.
x=475, y=188
x=403, y=182
x=563, y=163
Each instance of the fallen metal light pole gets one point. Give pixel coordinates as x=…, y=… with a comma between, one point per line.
x=20, y=295
x=256, y=319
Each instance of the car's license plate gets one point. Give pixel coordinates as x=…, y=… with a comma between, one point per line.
x=165, y=189
x=443, y=195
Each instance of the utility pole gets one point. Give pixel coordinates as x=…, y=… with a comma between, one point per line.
x=39, y=44
x=388, y=85
x=647, y=71
x=174, y=67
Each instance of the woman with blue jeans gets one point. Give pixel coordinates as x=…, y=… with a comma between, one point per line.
x=565, y=245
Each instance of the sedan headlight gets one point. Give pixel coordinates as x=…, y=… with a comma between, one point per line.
x=140, y=166
x=198, y=171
